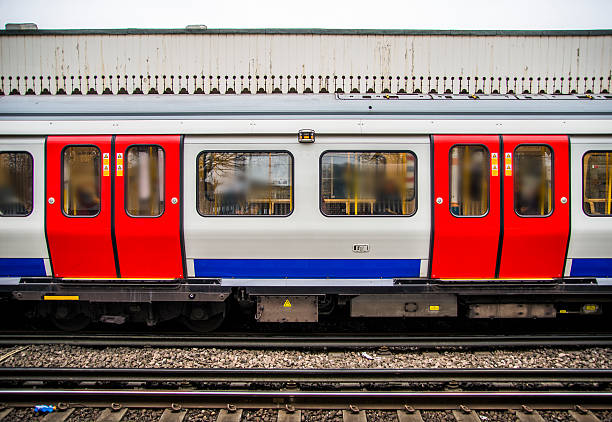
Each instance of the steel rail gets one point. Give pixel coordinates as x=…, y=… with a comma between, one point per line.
x=319, y=376
x=312, y=399
x=300, y=341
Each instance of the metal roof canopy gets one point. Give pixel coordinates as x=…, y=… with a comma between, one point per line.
x=277, y=60
x=312, y=31
x=188, y=107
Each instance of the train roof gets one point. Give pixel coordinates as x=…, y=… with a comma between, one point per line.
x=287, y=106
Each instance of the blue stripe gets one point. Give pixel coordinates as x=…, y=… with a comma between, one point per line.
x=591, y=267
x=22, y=267
x=307, y=268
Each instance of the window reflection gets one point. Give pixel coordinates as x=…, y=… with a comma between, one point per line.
x=597, y=167
x=15, y=184
x=144, y=180
x=469, y=180
x=533, y=180
x=245, y=183
x=81, y=184
x=368, y=183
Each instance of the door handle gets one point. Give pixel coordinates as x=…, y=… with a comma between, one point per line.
x=563, y=200
x=51, y=200
x=174, y=200
x=439, y=200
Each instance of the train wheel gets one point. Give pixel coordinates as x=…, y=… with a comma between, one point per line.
x=69, y=318
x=204, y=317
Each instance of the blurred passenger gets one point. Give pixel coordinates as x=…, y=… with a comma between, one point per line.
x=388, y=197
x=476, y=177
x=528, y=198
x=232, y=194
x=10, y=203
x=86, y=198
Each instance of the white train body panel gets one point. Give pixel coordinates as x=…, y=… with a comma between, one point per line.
x=24, y=246
x=306, y=234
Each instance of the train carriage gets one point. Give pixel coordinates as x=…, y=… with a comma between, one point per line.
x=150, y=208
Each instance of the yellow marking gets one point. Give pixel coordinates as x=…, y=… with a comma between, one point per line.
x=590, y=307
x=61, y=298
x=434, y=307
x=508, y=164
x=287, y=304
x=562, y=311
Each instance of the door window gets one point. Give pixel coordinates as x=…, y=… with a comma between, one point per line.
x=81, y=181
x=144, y=181
x=533, y=189
x=16, y=184
x=469, y=180
x=368, y=183
x=597, y=188
x=245, y=183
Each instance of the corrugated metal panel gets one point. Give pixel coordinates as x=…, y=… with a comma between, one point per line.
x=218, y=61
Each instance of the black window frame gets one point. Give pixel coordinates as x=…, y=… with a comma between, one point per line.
x=488, y=174
x=415, y=197
x=292, y=192
x=552, y=182
x=62, y=180
x=31, y=178
x=584, y=182
x=125, y=180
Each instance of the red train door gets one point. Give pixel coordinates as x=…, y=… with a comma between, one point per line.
x=466, y=198
x=536, y=206
x=148, y=206
x=78, y=209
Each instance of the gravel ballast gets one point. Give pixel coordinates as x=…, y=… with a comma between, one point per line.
x=142, y=415
x=201, y=415
x=439, y=416
x=85, y=414
x=271, y=415
x=322, y=416
x=381, y=416
x=133, y=357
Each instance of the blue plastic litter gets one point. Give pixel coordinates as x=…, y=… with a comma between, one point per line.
x=44, y=408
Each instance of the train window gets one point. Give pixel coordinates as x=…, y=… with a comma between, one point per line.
x=81, y=181
x=368, y=183
x=597, y=189
x=144, y=181
x=245, y=183
x=469, y=180
x=533, y=191
x=16, y=184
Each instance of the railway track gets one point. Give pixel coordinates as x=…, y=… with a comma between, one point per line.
x=301, y=341
x=301, y=376
x=289, y=392
x=290, y=413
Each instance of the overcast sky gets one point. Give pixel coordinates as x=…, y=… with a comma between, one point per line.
x=406, y=14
